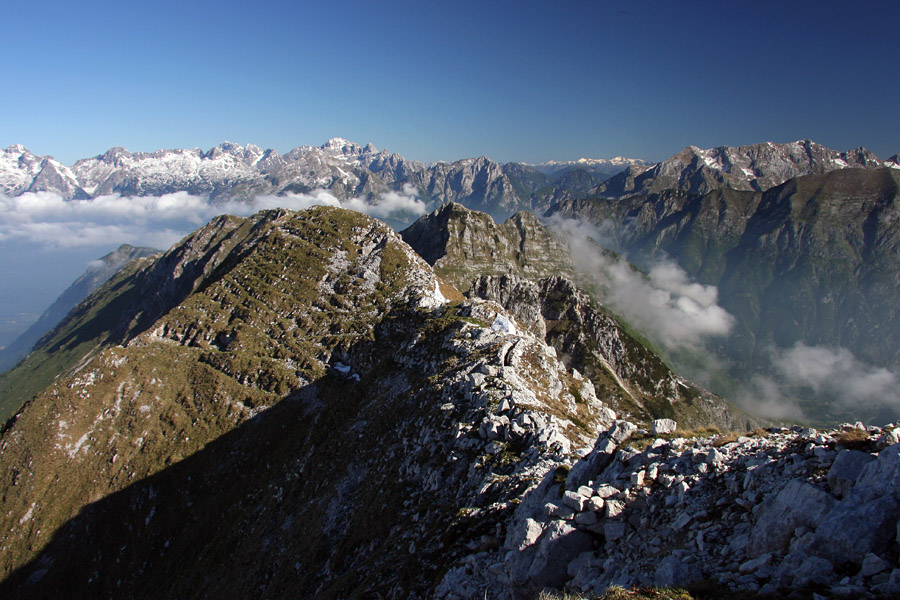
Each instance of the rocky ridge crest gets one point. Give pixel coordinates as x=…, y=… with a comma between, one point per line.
x=756, y=167
x=286, y=373
x=461, y=244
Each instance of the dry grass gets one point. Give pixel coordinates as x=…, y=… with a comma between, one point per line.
x=853, y=439
x=724, y=440
x=620, y=593
x=449, y=292
x=642, y=442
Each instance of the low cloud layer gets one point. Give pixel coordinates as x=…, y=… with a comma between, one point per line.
x=664, y=304
x=838, y=375
x=45, y=218
x=832, y=375
x=404, y=205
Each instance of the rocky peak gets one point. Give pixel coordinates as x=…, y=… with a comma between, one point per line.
x=115, y=155
x=461, y=243
x=318, y=347
x=632, y=380
x=754, y=167
x=341, y=147
x=21, y=172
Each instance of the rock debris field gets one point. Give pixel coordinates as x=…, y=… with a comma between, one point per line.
x=779, y=511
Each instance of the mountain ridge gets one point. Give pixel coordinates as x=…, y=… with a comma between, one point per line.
x=292, y=404
x=812, y=260
x=754, y=167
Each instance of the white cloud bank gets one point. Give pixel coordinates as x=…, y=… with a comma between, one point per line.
x=834, y=376
x=46, y=219
x=664, y=303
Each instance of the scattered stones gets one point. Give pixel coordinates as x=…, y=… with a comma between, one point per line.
x=768, y=514
x=573, y=500
x=614, y=508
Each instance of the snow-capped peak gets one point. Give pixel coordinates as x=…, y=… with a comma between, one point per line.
x=16, y=149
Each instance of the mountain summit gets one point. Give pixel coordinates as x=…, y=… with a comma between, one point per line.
x=296, y=404
x=755, y=167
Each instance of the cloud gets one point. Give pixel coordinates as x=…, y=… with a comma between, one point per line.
x=47, y=219
x=664, y=303
x=831, y=375
x=835, y=372
x=391, y=205
x=768, y=398
x=289, y=201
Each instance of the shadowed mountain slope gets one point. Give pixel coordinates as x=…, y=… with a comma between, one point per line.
x=813, y=260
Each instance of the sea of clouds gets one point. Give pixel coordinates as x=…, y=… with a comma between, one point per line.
x=47, y=219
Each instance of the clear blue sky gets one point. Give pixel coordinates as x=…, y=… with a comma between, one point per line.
x=523, y=81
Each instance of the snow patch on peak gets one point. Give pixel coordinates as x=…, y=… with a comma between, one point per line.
x=337, y=142
x=17, y=149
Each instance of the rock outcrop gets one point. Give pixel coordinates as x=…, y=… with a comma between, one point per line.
x=754, y=513
x=633, y=381
x=461, y=244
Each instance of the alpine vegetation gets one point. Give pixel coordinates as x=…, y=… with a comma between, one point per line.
x=307, y=403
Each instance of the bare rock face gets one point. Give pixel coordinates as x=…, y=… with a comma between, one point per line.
x=630, y=379
x=756, y=167
x=461, y=244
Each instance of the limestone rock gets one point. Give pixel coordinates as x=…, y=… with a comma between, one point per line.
x=798, y=503
x=661, y=426
x=846, y=468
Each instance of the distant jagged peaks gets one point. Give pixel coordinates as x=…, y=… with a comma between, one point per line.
x=755, y=167
x=603, y=166
x=22, y=171
x=340, y=146
x=347, y=170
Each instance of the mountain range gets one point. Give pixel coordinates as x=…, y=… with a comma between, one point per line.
x=810, y=260
x=346, y=169
x=798, y=240
x=298, y=403
x=311, y=403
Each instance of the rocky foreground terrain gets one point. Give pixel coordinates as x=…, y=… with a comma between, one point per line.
x=295, y=404
x=779, y=512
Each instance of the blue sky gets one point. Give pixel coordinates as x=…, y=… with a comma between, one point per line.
x=523, y=81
